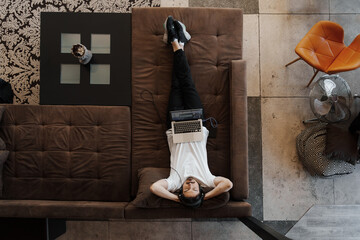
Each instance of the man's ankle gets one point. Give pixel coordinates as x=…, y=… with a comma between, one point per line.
x=176, y=46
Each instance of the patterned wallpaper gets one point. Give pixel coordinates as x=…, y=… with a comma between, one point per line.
x=20, y=37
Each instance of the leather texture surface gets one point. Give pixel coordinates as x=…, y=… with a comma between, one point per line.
x=231, y=209
x=238, y=131
x=67, y=152
x=323, y=48
x=216, y=41
x=89, y=210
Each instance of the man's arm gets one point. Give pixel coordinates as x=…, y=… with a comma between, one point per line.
x=221, y=185
x=159, y=188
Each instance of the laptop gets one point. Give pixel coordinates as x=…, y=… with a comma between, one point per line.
x=187, y=125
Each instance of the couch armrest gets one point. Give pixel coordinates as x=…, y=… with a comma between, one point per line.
x=238, y=131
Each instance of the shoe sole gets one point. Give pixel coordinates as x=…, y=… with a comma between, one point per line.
x=165, y=37
x=187, y=35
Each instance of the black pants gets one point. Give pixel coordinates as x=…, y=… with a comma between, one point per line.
x=183, y=93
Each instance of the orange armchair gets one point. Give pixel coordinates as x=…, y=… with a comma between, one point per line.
x=323, y=48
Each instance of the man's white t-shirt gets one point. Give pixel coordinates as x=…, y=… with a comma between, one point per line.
x=190, y=160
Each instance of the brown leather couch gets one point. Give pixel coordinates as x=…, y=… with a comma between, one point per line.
x=81, y=162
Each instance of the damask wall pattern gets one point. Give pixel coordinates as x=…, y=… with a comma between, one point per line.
x=20, y=37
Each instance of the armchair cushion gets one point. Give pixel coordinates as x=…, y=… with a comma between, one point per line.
x=341, y=144
x=348, y=59
x=146, y=199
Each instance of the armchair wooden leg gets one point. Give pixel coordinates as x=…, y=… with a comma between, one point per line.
x=263, y=231
x=292, y=62
x=312, y=78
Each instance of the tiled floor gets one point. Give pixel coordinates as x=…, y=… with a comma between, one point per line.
x=289, y=191
x=328, y=222
x=281, y=191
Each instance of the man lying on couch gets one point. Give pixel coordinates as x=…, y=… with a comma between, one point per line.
x=189, y=167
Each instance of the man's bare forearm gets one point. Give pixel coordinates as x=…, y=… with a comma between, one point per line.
x=223, y=186
x=159, y=190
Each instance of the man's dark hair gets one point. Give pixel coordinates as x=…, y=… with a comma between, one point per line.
x=75, y=50
x=193, y=202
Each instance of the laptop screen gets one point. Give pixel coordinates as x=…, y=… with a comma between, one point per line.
x=185, y=115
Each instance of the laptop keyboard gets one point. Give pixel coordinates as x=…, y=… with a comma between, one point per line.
x=187, y=127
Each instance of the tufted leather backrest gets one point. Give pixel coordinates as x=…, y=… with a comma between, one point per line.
x=321, y=45
x=216, y=40
x=67, y=152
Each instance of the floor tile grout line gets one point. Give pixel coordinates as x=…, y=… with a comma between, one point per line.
x=262, y=167
x=259, y=55
x=260, y=103
x=295, y=14
x=299, y=14
x=354, y=13
x=285, y=97
x=261, y=125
